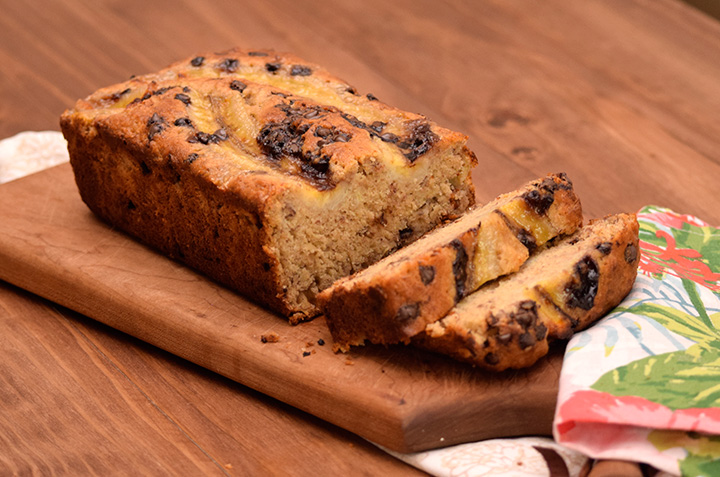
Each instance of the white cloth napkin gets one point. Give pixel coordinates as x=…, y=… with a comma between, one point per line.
x=31, y=151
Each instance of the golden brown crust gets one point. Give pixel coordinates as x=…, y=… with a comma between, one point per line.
x=251, y=167
x=561, y=290
x=396, y=298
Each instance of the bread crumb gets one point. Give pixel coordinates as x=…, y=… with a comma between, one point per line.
x=271, y=337
x=228, y=466
x=349, y=362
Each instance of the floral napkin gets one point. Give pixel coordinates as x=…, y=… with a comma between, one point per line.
x=643, y=384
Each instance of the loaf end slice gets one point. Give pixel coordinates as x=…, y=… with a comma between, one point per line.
x=560, y=290
x=264, y=172
x=396, y=298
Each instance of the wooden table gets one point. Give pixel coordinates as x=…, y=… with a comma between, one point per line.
x=623, y=96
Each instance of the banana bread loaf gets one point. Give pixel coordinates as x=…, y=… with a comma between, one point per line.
x=394, y=299
x=560, y=290
x=264, y=172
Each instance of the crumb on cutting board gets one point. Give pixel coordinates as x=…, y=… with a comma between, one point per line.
x=271, y=337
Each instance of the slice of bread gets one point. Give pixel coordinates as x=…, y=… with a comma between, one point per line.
x=397, y=297
x=560, y=290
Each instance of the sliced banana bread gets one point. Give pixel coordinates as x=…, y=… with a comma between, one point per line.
x=560, y=290
x=393, y=300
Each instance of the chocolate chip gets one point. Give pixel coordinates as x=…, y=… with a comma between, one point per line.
x=427, y=274
x=131, y=205
x=421, y=140
x=120, y=94
x=407, y=312
x=221, y=134
x=354, y=121
x=183, y=122
x=389, y=137
x=351, y=90
x=405, y=233
x=286, y=138
x=491, y=359
x=459, y=268
x=191, y=158
x=540, y=331
x=526, y=315
x=229, y=65
x=631, y=253
x=266, y=266
x=583, y=288
x=142, y=98
x=300, y=70
x=321, y=342
x=277, y=139
x=526, y=340
x=238, y=86
x=378, y=126
x=183, y=98
x=203, y=137
x=321, y=164
x=197, y=61
x=322, y=131
x=306, y=354
x=551, y=185
x=538, y=201
x=273, y=67
x=371, y=97
x=526, y=238
x=162, y=90
x=604, y=248
x=156, y=125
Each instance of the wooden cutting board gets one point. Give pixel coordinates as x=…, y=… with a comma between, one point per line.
x=402, y=398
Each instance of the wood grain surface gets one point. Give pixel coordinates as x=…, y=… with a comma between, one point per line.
x=621, y=95
x=79, y=398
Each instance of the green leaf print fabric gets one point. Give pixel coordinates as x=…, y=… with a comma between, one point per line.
x=643, y=384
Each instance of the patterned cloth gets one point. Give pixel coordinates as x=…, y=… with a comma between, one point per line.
x=643, y=384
